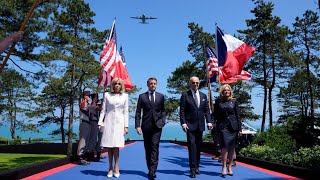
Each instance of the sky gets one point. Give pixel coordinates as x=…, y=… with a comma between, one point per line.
x=158, y=48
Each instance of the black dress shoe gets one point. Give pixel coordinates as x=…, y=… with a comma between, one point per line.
x=152, y=175
x=197, y=171
x=193, y=175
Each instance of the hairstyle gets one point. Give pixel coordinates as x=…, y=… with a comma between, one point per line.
x=222, y=88
x=114, y=81
x=152, y=78
x=190, y=80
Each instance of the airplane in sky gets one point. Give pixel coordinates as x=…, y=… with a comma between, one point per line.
x=143, y=18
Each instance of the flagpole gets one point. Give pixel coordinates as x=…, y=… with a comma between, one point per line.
x=219, y=83
x=108, y=40
x=208, y=79
x=112, y=29
x=23, y=25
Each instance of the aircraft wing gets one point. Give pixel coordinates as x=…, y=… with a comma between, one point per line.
x=151, y=18
x=136, y=17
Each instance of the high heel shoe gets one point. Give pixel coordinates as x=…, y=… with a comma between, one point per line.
x=110, y=174
x=117, y=175
x=230, y=173
x=223, y=173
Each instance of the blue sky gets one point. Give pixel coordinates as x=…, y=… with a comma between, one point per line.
x=158, y=48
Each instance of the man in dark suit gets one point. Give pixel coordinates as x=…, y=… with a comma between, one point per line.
x=153, y=120
x=194, y=110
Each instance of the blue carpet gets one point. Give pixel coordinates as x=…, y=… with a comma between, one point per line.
x=173, y=164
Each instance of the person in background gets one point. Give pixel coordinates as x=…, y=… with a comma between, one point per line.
x=227, y=117
x=98, y=144
x=94, y=115
x=84, y=127
x=114, y=117
x=194, y=110
x=153, y=120
x=13, y=38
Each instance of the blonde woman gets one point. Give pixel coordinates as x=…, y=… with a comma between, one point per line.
x=115, y=115
x=227, y=117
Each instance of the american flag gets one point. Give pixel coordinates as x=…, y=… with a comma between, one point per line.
x=213, y=68
x=109, y=52
x=122, y=56
x=104, y=79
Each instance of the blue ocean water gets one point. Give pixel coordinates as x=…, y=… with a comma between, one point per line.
x=171, y=131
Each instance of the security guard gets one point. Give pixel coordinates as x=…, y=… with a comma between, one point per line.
x=84, y=127
x=94, y=117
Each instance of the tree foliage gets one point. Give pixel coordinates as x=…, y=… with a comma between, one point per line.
x=16, y=99
x=72, y=39
x=306, y=36
x=271, y=58
x=178, y=81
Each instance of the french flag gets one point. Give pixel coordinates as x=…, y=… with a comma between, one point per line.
x=232, y=54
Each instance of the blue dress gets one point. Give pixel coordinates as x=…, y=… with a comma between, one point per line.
x=227, y=118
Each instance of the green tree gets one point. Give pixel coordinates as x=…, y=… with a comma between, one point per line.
x=306, y=36
x=52, y=105
x=15, y=100
x=12, y=14
x=268, y=64
x=178, y=81
x=294, y=97
x=72, y=39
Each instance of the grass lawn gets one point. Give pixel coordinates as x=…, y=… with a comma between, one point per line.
x=11, y=161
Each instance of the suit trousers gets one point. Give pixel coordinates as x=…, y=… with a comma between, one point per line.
x=151, y=146
x=85, y=130
x=194, y=139
x=93, y=136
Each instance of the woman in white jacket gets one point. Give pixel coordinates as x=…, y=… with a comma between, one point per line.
x=114, y=118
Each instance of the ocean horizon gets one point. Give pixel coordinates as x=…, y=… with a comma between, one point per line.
x=171, y=131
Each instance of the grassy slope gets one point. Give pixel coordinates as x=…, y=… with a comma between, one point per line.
x=11, y=161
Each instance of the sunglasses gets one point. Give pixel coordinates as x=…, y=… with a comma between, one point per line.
x=117, y=84
x=195, y=82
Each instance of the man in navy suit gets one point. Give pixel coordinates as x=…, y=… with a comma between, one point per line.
x=194, y=110
x=153, y=120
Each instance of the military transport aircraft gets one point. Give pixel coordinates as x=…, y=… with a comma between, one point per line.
x=143, y=18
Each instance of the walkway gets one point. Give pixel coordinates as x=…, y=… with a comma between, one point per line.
x=173, y=165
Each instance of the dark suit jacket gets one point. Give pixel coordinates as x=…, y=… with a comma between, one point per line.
x=191, y=115
x=152, y=113
x=227, y=113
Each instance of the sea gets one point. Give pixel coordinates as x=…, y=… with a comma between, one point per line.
x=171, y=131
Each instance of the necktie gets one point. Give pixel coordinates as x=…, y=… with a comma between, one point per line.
x=196, y=99
x=152, y=97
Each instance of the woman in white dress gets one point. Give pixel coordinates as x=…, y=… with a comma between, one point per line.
x=114, y=118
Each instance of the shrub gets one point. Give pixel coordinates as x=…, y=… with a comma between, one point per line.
x=263, y=152
x=3, y=140
x=15, y=141
x=39, y=140
x=304, y=157
x=276, y=137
